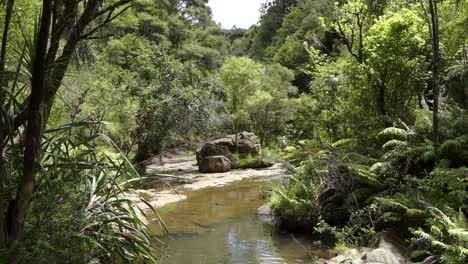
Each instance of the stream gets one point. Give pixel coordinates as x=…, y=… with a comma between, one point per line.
x=212, y=218
x=220, y=225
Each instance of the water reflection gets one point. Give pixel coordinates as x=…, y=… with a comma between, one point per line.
x=219, y=225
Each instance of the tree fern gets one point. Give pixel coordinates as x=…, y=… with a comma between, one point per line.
x=357, y=158
x=345, y=142
x=444, y=239
x=394, y=143
x=394, y=132
x=363, y=175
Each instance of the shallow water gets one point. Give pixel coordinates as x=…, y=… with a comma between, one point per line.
x=220, y=225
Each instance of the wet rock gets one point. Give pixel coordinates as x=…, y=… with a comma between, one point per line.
x=212, y=164
x=264, y=210
x=381, y=255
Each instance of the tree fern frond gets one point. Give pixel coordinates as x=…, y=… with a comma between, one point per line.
x=424, y=235
x=378, y=166
x=436, y=231
x=345, y=141
x=366, y=177
x=460, y=233
x=462, y=251
x=394, y=132
x=391, y=203
x=395, y=143
x=439, y=215
x=359, y=158
x=416, y=213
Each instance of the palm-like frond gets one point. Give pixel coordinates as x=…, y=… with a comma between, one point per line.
x=394, y=132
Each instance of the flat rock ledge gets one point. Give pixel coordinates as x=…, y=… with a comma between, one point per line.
x=385, y=253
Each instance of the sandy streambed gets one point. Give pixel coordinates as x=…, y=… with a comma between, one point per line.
x=180, y=175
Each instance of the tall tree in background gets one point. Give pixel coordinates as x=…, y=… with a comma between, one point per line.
x=436, y=77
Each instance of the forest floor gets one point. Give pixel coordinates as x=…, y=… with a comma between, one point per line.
x=178, y=173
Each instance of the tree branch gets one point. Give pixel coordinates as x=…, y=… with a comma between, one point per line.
x=108, y=19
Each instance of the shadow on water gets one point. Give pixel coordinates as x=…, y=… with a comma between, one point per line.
x=220, y=225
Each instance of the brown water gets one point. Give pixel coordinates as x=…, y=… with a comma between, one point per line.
x=220, y=225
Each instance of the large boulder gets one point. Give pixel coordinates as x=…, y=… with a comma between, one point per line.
x=243, y=143
x=211, y=149
x=212, y=164
x=247, y=143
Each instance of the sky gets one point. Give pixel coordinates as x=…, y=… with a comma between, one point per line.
x=241, y=13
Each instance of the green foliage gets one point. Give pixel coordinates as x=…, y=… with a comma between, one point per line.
x=442, y=240
x=258, y=97
x=183, y=25
x=80, y=211
x=349, y=236
x=173, y=103
x=396, y=50
x=449, y=185
x=294, y=205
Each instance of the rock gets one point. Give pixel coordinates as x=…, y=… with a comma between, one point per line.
x=225, y=141
x=346, y=257
x=211, y=149
x=381, y=255
x=393, y=244
x=257, y=164
x=264, y=210
x=247, y=144
x=353, y=261
x=214, y=164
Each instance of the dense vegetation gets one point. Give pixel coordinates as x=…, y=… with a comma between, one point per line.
x=366, y=100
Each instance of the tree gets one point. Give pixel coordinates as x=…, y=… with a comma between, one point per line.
x=395, y=58
x=270, y=107
x=62, y=27
x=435, y=73
x=241, y=77
x=173, y=104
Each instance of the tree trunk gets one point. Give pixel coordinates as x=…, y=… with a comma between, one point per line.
x=3, y=132
x=436, y=77
x=37, y=117
x=9, y=12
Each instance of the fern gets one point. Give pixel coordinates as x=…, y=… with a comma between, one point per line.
x=445, y=240
x=394, y=143
x=394, y=132
x=359, y=159
x=364, y=176
x=345, y=142
x=378, y=166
